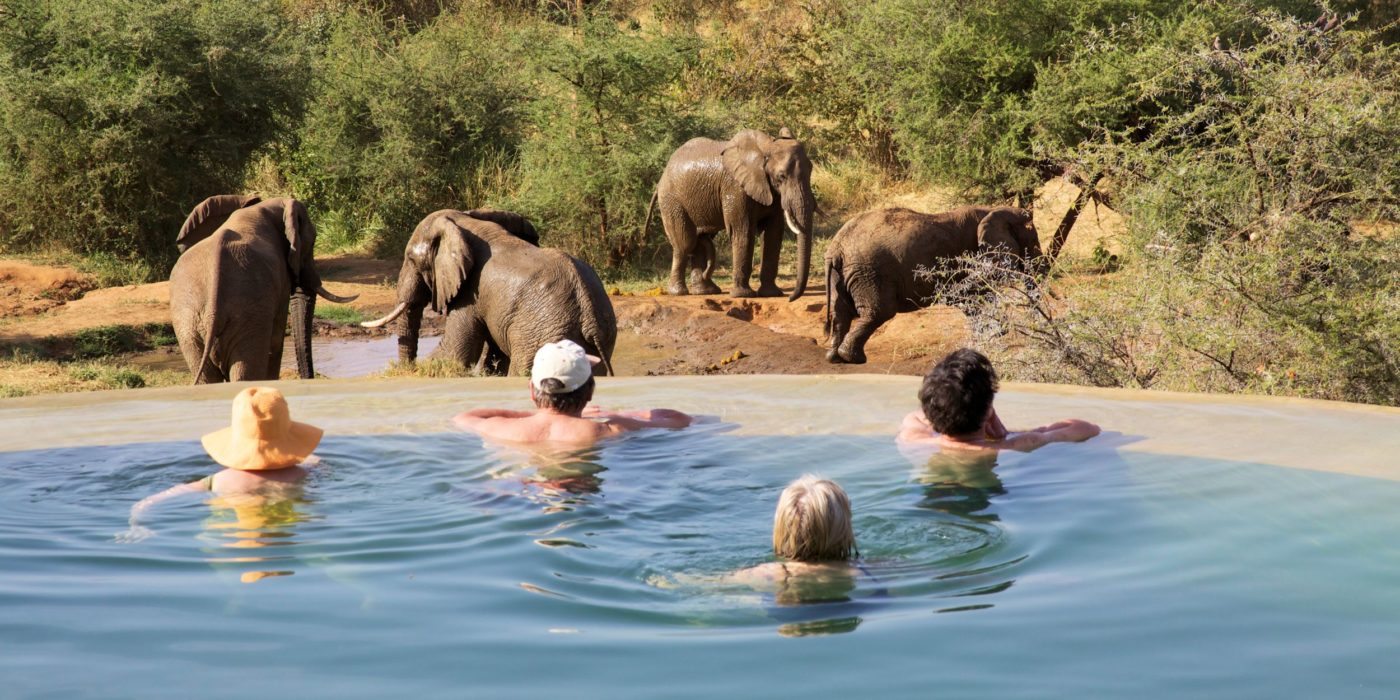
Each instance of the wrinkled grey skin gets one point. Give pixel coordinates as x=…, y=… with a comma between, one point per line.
x=241, y=261
x=872, y=260
x=499, y=293
x=748, y=185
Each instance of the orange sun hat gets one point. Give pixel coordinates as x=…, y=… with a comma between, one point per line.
x=263, y=434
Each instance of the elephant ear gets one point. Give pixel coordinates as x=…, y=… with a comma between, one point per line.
x=994, y=232
x=515, y=224
x=452, y=262
x=744, y=159
x=301, y=243
x=208, y=216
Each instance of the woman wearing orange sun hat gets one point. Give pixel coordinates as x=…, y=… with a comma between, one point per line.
x=263, y=449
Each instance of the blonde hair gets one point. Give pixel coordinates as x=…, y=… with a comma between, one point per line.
x=813, y=522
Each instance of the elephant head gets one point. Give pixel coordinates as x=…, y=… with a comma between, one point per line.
x=208, y=216
x=436, y=263
x=763, y=166
x=1008, y=232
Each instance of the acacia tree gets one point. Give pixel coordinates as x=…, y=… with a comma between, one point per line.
x=601, y=131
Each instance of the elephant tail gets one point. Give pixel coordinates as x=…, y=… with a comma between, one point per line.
x=607, y=362
x=646, y=225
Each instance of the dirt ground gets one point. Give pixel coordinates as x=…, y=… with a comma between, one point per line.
x=656, y=334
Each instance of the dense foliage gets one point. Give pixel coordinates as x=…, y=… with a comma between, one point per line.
x=116, y=117
x=1249, y=142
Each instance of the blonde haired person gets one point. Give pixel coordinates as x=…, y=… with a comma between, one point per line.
x=813, y=537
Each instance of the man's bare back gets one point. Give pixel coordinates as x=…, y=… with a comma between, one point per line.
x=546, y=425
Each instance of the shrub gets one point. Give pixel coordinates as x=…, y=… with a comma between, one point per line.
x=117, y=117
x=402, y=123
x=1250, y=268
x=604, y=124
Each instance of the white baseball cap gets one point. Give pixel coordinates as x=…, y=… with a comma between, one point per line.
x=565, y=361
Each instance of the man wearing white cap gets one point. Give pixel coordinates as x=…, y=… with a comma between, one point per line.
x=561, y=385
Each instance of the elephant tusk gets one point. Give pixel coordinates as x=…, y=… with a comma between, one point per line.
x=337, y=299
x=398, y=310
x=791, y=226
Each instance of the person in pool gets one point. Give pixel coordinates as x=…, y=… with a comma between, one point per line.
x=957, y=414
x=264, y=453
x=813, y=538
x=561, y=385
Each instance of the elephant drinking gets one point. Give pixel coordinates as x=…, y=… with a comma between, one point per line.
x=498, y=291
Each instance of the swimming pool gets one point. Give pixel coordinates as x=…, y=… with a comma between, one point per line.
x=1206, y=546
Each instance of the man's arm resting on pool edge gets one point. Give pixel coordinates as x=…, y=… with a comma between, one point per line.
x=470, y=420
x=643, y=418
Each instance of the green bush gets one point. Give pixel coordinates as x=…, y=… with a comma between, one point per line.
x=402, y=123
x=604, y=123
x=117, y=117
x=1251, y=196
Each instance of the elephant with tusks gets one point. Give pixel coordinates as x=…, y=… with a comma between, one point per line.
x=500, y=293
x=242, y=261
x=751, y=185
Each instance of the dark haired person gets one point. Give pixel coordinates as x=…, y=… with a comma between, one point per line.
x=561, y=385
x=957, y=413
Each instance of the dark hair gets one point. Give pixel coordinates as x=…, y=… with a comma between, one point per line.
x=550, y=395
x=957, y=393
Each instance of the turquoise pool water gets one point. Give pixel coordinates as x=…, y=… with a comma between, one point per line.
x=418, y=563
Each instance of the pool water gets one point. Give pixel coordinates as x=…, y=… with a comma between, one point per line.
x=417, y=562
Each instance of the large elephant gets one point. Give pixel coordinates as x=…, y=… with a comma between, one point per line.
x=749, y=184
x=872, y=261
x=499, y=293
x=241, y=260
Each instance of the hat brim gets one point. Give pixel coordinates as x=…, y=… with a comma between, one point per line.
x=256, y=455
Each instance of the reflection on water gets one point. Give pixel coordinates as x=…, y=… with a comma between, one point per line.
x=961, y=484
x=559, y=479
x=254, y=521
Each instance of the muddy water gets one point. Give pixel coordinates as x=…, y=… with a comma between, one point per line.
x=347, y=358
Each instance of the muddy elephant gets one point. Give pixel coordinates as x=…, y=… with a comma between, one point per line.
x=242, y=260
x=499, y=293
x=750, y=184
x=872, y=261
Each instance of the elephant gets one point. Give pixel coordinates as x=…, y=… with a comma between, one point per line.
x=499, y=293
x=750, y=183
x=241, y=260
x=871, y=264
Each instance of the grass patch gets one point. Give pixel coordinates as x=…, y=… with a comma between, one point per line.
x=27, y=377
x=340, y=313
x=428, y=369
x=114, y=271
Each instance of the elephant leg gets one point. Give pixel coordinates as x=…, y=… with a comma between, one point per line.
x=463, y=338
x=842, y=311
x=681, y=232
x=702, y=265
x=867, y=321
x=742, y=241
x=772, y=249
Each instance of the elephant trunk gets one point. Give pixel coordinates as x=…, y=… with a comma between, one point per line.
x=413, y=294
x=797, y=212
x=303, y=306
